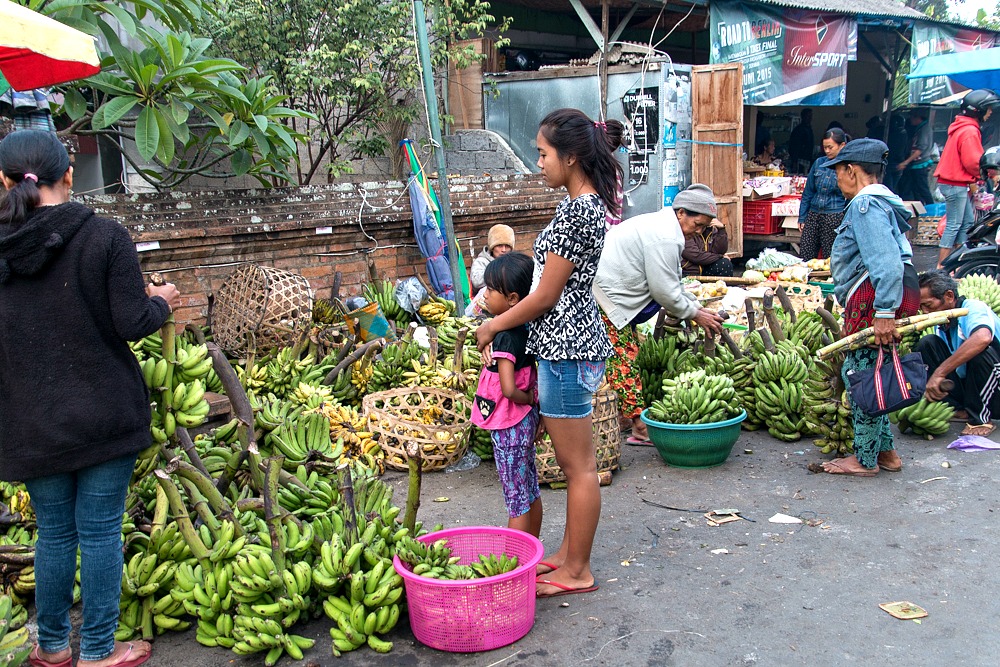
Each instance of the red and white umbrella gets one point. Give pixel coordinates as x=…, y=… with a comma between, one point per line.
x=37, y=51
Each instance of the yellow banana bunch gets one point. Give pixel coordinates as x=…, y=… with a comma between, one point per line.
x=433, y=312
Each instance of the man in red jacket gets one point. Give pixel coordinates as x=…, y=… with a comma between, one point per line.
x=958, y=169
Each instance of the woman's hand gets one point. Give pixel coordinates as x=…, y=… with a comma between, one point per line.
x=885, y=331
x=485, y=335
x=168, y=292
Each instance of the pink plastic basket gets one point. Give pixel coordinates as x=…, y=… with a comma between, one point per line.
x=479, y=614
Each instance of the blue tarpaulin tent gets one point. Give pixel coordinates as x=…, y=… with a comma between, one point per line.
x=973, y=69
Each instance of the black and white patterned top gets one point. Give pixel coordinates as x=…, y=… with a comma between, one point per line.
x=572, y=329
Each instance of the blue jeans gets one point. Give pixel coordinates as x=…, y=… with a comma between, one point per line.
x=82, y=508
x=959, y=212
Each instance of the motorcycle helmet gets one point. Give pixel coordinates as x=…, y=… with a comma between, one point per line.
x=976, y=102
x=989, y=160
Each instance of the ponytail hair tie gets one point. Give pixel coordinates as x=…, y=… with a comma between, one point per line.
x=30, y=177
x=602, y=125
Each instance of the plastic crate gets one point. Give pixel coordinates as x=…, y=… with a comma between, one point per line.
x=757, y=218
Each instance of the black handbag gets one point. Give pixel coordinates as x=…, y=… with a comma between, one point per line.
x=889, y=387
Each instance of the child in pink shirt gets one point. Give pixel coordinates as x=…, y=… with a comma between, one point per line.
x=506, y=399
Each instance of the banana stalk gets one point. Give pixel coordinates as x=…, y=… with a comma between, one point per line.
x=829, y=321
x=772, y=320
x=346, y=489
x=904, y=326
x=187, y=444
x=183, y=519
x=373, y=345
x=272, y=515
x=201, y=506
x=233, y=463
x=415, y=463
x=731, y=344
x=203, y=481
x=17, y=555
x=786, y=304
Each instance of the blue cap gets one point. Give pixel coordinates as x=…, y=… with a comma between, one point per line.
x=861, y=150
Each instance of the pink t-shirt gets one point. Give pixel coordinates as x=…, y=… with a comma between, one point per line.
x=492, y=410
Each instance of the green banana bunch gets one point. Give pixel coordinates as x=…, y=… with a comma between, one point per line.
x=826, y=410
x=742, y=376
x=481, y=444
x=694, y=397
x=394, y=360
x=325, y=313
x=925, y=418
x=807, y=330
x=15, y=643
x=981, y=288
x=491, y=566
x=383, y=293
x=777, y=378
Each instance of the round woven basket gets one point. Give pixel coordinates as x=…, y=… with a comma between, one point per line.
x=260, y=307
x=436, y=419
x=607, y=437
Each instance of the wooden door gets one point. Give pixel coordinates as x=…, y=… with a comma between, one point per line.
x=717, y=136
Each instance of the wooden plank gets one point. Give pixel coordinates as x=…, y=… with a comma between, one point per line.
x=717, y=132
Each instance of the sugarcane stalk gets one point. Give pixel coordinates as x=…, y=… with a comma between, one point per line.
x=902, y=328
x=181, y=516
x=414, y=460
x=345, y=486
x=187, y=444
x=272, y=515
x=786, y=303
x=220, y=506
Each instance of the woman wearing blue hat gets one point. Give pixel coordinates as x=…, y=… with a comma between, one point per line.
x=875, y=282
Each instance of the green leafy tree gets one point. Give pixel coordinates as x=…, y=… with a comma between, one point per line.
x=188, y=112
x=351, y=64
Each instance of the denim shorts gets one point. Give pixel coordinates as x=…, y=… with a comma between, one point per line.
x=565, y=388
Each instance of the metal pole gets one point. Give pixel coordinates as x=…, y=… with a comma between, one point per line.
x=435, y=123
x=603, y=69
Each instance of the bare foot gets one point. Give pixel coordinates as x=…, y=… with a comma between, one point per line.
x=890, y=461
x=130, y=653
x=960, y=415
x=639, y=429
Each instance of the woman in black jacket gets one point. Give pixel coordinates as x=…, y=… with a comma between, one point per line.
x=74, y=410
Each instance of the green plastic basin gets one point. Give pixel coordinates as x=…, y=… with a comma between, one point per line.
x=694, y=445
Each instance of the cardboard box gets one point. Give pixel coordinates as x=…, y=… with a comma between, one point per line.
x=767, y=187
x=915, y=206
x=788, y=206
x=790, y=222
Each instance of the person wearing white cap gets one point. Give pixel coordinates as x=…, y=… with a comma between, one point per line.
x=640, y=272
x=499, y=241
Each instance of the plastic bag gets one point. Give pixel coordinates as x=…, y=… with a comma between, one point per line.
x=974, y=443
x=467, y=462
x=410, y=294
x=770, y=259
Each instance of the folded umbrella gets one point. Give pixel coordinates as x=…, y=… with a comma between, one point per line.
x=37, y=51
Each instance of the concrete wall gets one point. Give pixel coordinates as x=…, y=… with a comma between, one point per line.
x=196, y=239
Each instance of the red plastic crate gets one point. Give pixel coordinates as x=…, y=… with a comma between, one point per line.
x=757, y=218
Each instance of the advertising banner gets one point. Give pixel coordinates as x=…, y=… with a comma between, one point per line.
x=790, y=57
x=932, y=39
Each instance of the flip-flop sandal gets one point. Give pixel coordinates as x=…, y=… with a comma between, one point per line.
x=37, y=661
x=968, y=429
x=838, y=470
x=128, y=661
x=564, y=589
x=896, y=468
x=638, y=442
x=552, y=568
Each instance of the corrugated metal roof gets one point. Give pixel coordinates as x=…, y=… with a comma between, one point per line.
x=880, y=8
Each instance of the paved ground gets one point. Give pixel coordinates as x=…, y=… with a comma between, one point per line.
x=782, y=595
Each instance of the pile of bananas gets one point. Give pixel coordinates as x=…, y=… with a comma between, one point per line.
x=384, y=294
x=981, y=288
x=435, y=310
x=447, y=332
x=827, y=411
x=18, y=502
x=304, y=439
x=282, y=373
x=925, y=418
x=344, y=389
x=325, y=313
x=778, y=378
x=349, y=426
x=309, y=396
x=183, y=402
x=695, y=397
x=807, y=330
x=656, y=361
x=389, y=367
x=481, y=443
x=742, y=376
x=191, y=359
x=15, y=642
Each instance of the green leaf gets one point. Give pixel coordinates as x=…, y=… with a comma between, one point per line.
x=110, y=83
x=238, y=133
x=74, y=104
x=165, y=152
x=147, y=133
x=111, y=112
x=242, y=161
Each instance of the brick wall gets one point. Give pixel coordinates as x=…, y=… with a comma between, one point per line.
x=198, y=238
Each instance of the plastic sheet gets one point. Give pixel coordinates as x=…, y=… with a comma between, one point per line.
x=974, y=443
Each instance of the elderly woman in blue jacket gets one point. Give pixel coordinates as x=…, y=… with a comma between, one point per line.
x=876, y=283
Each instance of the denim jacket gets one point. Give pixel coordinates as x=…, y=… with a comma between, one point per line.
x=871, y=242
x=821, y=193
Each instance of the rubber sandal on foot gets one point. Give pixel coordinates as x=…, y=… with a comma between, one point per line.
x=563, y=589
x=36, y=661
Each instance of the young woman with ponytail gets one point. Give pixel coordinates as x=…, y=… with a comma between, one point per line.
x=74, y=410
x=565, y=330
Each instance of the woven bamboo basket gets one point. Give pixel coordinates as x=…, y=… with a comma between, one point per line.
x=260, y=307
x=436, y=419
x=607, y=438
